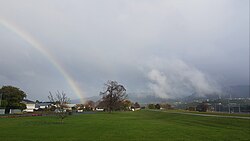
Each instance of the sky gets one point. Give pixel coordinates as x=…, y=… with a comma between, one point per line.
x=167, y=48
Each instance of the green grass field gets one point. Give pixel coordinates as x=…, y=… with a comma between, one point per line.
x=125, y=126
x=212, y=113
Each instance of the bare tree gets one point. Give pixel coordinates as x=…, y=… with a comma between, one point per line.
x=113, y=95
x=89, y=105
x=60, y=100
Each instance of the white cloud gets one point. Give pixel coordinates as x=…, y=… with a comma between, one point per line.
x=173, y=78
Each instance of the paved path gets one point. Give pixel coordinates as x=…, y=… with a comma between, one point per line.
x=204, y=115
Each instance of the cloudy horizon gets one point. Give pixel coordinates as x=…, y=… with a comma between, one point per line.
x=170, y=48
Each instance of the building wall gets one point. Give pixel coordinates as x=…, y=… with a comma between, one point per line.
x=30, y=108
x=15, y=111
x=2, y=111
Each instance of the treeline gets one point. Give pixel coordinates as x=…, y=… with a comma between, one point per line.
x=160, y=106
x=11, y=98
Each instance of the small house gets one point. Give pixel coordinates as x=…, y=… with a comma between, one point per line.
x=2, y=111
x=43, y=105
x=30, y=105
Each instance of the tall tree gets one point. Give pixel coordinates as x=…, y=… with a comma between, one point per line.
x=126, y=105
x=157, y=106
x=60, y=100
x=113, y=95
x=12, y=98
x=89, y=105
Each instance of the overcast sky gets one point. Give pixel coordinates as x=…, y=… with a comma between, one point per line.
x=170, y=48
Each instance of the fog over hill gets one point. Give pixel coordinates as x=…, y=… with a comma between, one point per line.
x=239, y=91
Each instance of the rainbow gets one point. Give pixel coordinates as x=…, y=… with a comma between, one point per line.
x=38, y=46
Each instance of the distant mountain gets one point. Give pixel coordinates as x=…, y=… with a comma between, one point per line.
x=146, y=99
x=195, y=97
x=239, y=91
x=92, y=98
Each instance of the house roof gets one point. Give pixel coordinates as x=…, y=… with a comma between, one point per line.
x=71, y=105
x=26, y=101
x=42, y=104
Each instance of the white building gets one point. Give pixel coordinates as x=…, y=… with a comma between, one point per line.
x=30, y=105
x=70, y=106
x=43, y=105
x=2, y=111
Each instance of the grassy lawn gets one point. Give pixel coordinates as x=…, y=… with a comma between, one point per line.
x=123, y=126
x=212, y=113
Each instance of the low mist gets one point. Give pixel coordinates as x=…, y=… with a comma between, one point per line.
x=174, y=79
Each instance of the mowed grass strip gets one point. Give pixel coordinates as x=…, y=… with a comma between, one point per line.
x=124, y=126
x=211, y=113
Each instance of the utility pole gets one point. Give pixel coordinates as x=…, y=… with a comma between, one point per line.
x=219, y=106
x=229, y=91
x=215, y=109
x=1, y=112
x=1, y=99
x=239, y=109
